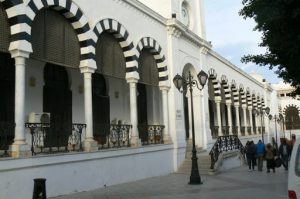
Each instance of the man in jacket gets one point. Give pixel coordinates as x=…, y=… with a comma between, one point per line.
x=260, y=151
x=285, y=153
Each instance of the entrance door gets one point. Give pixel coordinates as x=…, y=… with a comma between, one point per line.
x=57, y=100
x=7, y=100
x=101, y=109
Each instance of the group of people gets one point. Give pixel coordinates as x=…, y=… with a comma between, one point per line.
x=257, y=153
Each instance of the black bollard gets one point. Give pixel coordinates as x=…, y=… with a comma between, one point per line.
x=39, y=189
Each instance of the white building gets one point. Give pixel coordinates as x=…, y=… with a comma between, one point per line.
x=106, y=67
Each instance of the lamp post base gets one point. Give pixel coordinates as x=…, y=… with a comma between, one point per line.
x=195, y=177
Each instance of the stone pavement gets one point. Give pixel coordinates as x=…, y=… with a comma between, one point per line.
x=234, y=184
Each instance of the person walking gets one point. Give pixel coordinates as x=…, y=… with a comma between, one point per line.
x=250, y=154
x=285, y=153
x=260, y=152
x=270, y=158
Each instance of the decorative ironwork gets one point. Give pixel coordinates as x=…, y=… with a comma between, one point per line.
x=112, y=135
x=44, y=140
x=151, y=134
x=235, y=130
x=214, y=132
x=224, y=144
x=7, y=131
x=249, y=130
x=243, y=130
x=259, y=130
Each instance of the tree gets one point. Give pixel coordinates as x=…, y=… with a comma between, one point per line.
x=279, y=22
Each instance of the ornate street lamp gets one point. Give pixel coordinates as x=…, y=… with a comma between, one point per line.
x=188, y=83
x=261, y=112
x=276, y=118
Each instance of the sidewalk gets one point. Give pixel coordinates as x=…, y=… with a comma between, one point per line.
x=234, y=184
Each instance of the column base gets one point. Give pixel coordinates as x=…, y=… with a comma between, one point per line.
x=90, y=145
x=19, y=150
x=167, y=139
x=135, y=142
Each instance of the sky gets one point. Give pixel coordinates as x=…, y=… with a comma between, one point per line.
x=233, y=37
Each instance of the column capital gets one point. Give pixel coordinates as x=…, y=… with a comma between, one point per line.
x=228, y=104
x=132, y=80
x=236, y=105
x=244, y=106
x=164, y=88
x=87, y=70
x=250, y=108
x=218, y=99
x=19, y=53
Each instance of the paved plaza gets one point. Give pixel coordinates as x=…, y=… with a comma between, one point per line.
x=234, y=184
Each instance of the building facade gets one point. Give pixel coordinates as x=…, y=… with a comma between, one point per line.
x=88, y=94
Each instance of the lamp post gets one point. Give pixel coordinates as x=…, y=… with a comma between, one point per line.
x=188, y=83
x=261, y=112
x=276, y=118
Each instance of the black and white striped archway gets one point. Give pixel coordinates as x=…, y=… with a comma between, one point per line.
x=122, y=36
x=243, y=96
x=224, y=82
x=77, y=19
x=213, y=77
x=235, y=93
x=249, y=99
x=156, y=50
x=19, y=23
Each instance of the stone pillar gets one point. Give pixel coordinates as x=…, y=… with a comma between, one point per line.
x=229, y=117
x=20, y=148
x=218, y=106
x=89, y=143
x=251, y=120
x=237, y=113
x=164, y=90
x=135, y=140
x=245, y=119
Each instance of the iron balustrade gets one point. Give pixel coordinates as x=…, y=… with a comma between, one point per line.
x=235, y=130
x=7, y=134
x=49, y=138
x=249, y=130
x=151, y=134
x=112, y=135
x=225, y=144
x=214, y=132
x=243, y=130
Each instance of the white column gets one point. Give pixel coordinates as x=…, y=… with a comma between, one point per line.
x=89, y=143
x=218, y=106
x=229, y=118
x=167, y=138
x=237, y=113
x=245, y=119
x=251, y=120
x=135, y=140
x=20, y=148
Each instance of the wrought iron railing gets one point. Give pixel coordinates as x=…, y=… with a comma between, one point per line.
x=214, y=132
x=243, y=130
x=151, y=134
x=224, y=144
x=235, y=130
x=51, y=138
x=249, y=130
x=112, y=135
x=225, y=130
x=259, y=130
x=7, y=131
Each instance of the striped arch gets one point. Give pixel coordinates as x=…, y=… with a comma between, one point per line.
x=243, y=95
x=254, y=101
x=213, y=77
x=226, y=88
x=249, y=99
x=235, y=93
x=259, y=106
x=263, y=105
x=19, y=25
x=156, y=51
x=290, y=106
x=76, y=18
x=122, y=36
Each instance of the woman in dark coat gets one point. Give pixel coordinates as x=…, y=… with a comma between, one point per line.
x=250, y=154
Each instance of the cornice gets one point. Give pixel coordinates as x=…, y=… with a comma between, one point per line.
x=174, y=24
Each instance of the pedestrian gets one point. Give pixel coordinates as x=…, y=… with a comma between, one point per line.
x=260, y=152
x=270, y=158
x=285, y=153
x=292, y=142
x=250, y=154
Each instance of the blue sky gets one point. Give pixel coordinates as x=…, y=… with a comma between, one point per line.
x=232, y=36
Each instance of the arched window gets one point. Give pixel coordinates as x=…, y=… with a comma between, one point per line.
x=4, y=30
x=292, y=118
x=54, y=39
